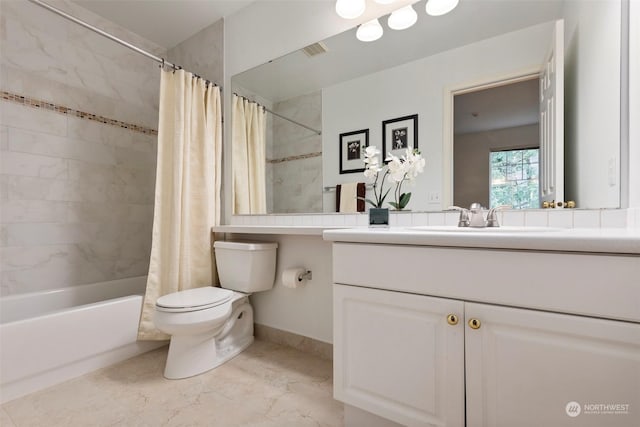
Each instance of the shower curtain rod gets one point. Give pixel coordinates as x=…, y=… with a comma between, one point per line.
x=111, y=37
x=319, y=132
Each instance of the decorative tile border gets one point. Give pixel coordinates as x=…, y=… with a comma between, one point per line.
x=298, y=157
x=44, y=105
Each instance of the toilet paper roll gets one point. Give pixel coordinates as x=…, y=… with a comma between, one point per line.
x=294, y=277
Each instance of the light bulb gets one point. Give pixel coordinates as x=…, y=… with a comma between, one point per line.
x=384, y=1
x=402, y=18
x=369, y=31
x=350, y=9
x=440, y=7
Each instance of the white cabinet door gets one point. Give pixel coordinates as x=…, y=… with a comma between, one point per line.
x=397, y=356
x=533, y=368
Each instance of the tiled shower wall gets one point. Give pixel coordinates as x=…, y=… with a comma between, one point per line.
x=77, y=152
x=202, y=53
x=296, y=160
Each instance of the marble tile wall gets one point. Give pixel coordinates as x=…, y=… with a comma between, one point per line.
x=76, y=195
x=202, y=53
x=296, y=162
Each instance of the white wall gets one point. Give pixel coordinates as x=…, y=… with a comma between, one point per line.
x=419, y=87
x=634, y=104
x=592, y=103
x=306, y=310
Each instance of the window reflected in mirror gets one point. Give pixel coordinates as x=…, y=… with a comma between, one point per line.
x=493, y=129
x=515, y=179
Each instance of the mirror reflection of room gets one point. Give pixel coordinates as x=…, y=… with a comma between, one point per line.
x=497, y=145
x=341, y=85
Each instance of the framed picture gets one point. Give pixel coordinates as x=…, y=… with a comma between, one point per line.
x=399, y=134
x=352, y=145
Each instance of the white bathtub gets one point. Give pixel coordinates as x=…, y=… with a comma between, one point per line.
x=52, y=336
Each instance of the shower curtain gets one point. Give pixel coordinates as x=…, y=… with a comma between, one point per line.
x=249, y=136
x=187, y=197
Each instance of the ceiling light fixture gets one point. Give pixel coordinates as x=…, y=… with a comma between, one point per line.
x=350, y=9
x=369, y=31
x=440, y=7
x=402, y=18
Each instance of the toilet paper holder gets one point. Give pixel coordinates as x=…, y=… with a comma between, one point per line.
x=307, y=275
x=295, y=277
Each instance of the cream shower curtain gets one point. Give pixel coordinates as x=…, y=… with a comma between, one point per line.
x=249, y=157
x=187, y=201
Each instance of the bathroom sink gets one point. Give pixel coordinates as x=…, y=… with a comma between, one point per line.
x=505, y=229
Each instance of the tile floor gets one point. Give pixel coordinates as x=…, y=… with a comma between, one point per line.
x=267, y=385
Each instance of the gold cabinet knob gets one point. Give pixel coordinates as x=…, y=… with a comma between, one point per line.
x=474, y=323
x=549, y=205
x=452, y=319
x=570, y=204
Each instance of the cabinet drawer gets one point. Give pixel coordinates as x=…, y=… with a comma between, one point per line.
x=592, y=285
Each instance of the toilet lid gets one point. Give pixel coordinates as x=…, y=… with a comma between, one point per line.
x=195, y=299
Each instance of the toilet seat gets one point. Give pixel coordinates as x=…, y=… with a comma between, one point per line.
x=194, y=299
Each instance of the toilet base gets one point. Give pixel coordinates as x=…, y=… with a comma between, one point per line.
x=191, y=355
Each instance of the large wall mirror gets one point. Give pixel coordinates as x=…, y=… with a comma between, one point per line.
x=443, y=70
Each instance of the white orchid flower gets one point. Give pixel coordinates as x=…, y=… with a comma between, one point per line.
x=372, y=171
x=372, y=162
x=390, y=158
x=371, y=151
x=397, y=168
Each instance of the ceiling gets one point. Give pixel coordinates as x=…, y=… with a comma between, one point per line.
x=500, y=107
x=164, y=22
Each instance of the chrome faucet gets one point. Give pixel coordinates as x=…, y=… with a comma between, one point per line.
x=492, y=217
x=463, y=221
x=473, y=217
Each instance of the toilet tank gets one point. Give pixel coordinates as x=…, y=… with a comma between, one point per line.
x=246, y=266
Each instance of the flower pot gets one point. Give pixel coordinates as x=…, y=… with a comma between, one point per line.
x=379, y=217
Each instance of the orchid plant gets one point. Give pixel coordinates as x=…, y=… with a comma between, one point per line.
x=372, y=170
x=399, y=170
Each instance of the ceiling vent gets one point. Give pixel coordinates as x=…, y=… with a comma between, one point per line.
x=315, y=49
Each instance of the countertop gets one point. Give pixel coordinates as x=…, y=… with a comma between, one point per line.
x=299, y=230
x=596, y=240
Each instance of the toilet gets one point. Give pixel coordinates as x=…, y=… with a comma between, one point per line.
x=211, y=325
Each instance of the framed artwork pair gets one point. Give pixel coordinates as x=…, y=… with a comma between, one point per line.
x=397, y=135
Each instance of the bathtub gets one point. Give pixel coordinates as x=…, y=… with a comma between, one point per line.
x=51, y=336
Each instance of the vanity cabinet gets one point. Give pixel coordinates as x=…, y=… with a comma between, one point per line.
x=523, y=367
x=394, y=355
x=423, y=360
